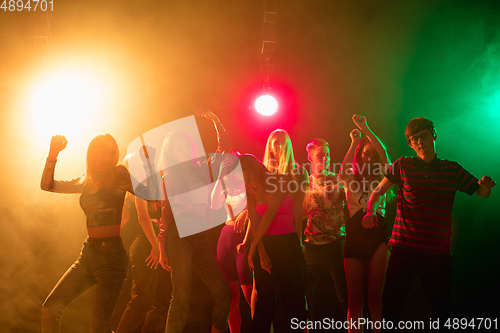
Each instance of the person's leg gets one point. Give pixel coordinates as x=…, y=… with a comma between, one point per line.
x=76, y=281
x=335, y=256
x=290, y=268
x=377, y=268
x=156, y=318
x=314, y=270
x=245, y=275
x=234, y=314
x=179, y=251
x=267, y=296
x=226, y=252
x=143, y=286
x=355, y=270
x=206, y=265
x=110, y=265
x=398, y=280
x=435, y=277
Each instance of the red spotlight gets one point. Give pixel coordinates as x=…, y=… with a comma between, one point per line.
x=266, y=105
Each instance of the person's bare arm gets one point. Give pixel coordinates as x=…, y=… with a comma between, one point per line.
x=147, y=226
x=379, y=147
x=349, y=156
x=370, y=219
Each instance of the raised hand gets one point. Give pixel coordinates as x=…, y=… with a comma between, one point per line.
x=487, y=182
x=57, y=144
x=207, y=114
x=355, y=135
x=360, y=121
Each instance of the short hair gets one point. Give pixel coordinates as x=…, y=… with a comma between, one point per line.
x=316, y=143
x=419, y=124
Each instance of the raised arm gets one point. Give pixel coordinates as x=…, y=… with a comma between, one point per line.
x=218, y=196
x=47, y=182
x=360, y=121
x=349, y=156
x=223, y=139
x=147, y=227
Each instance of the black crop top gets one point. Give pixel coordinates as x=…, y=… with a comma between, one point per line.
x=102, y=207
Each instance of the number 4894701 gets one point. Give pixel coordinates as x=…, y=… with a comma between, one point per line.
x=29, y=5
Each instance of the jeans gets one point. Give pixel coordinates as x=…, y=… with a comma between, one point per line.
x=151, y=289
x=185, y=255
x=102, y=262
x=325, y=257
x=434, y=271
x=287, y=282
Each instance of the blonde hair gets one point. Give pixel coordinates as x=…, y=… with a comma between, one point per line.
x=284, y=163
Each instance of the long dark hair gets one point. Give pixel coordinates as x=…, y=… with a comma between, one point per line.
x=375, y=159
x=166, y=160
x=93, y=178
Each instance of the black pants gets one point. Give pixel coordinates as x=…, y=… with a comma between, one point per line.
x=103, y=263
x=149, y=303
x=434, y=271
x=325, y=257
x=286, y=282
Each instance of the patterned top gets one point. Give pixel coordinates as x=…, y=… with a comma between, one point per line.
x=325, y=210
x=425, y=202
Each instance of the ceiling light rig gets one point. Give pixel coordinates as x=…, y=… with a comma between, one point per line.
x=266, y=104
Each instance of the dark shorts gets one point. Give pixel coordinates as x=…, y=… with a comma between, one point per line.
x=362, y=243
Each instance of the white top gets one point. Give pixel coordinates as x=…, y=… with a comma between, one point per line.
x=238, y=202
x=358, y=193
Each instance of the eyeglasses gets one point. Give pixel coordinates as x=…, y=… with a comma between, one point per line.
x=422, y=137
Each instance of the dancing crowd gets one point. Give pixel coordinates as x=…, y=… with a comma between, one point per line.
x=263, y=251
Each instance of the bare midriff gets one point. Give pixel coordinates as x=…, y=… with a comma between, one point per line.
x=107, y=231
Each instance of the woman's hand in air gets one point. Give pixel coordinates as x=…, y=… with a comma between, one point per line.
x=355, y=135
x=207, y=114
x=57, y=144
x=164, y=261
x=360, y=121
x=153, y=259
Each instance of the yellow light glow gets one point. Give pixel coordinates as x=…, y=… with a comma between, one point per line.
x=66, y=103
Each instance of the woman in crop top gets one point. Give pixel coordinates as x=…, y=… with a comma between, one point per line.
x=366, y=253
x=275, y=193
x=103, y=260
x=188, y=206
